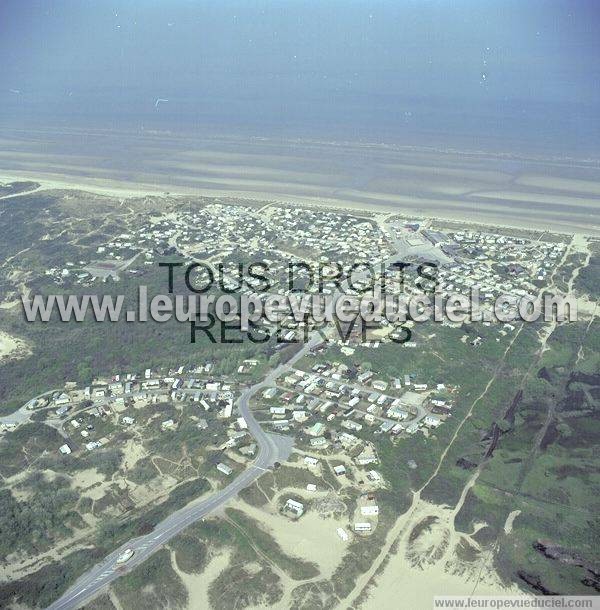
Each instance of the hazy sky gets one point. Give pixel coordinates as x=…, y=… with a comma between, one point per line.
x=479, y=69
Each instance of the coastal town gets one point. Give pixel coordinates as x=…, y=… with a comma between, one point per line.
x=323, y=408
x=332, y=403
x=342, y=418
x=299, y=305
x=431, y=256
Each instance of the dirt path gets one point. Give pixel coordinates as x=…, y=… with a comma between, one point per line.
x=421, y=509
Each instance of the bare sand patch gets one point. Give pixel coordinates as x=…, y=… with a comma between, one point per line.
x=426, y=555
x=428, y=181
x=198, y=584
x=90, y=483
x=510, y=521
x=417, y=588
x=384, y=331
x=143, y=494
x=256, y=172
x=458, y=173
x=311, y=537
x=545, y=198
x=133, y=452
x=12, y=347
x=587, y=187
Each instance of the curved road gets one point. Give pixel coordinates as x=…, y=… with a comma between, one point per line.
x=272, y=448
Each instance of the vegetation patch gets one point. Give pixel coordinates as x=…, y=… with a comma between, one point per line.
x=153, y=584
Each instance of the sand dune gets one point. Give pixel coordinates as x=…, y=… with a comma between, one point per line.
x=9, y=346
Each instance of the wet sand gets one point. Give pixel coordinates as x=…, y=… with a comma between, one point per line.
x=560, y=195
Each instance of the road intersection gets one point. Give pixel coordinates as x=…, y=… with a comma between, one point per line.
x=272, y=448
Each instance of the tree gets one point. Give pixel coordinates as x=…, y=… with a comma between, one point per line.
x=565, y=430
x=503, y=425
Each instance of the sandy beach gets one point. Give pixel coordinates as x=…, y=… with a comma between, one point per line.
x=559, y=195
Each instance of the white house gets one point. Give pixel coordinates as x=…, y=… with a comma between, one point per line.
x=432, y=420
x=226, y=470
x=397, y=413
x=167, y=424
x=295, y=507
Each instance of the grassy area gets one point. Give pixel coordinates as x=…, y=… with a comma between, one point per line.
x=318, y=595
x=28, y=443
x=241, y=586
x=589, y=277
x=254, y=496
x=33, y=525
x=190, y=553
x=41, y=588
x=551, y=477
x=153, y=584
x=290, y=476
x=100, y=603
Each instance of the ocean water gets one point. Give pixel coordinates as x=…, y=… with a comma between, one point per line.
x=479, y=75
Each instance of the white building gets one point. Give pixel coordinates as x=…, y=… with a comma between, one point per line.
x=397, y=413
x=342, y=533
x=432, y=420
x=226, y=470
x=167, y=424
x=295, y=507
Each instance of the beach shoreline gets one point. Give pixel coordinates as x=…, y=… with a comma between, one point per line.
x=513, y=190
x=128, y=190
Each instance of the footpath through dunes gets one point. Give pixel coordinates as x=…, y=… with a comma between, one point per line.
x=425, y=546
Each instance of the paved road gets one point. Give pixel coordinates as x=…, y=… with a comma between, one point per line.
x=272, y=448
x=23, y=414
